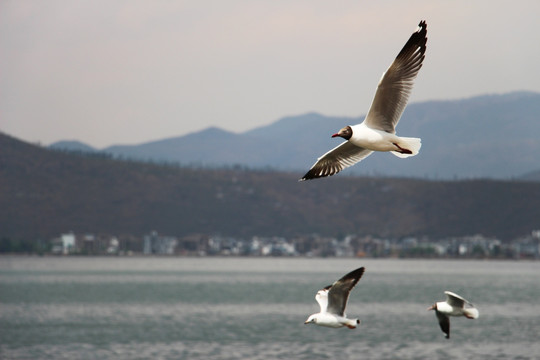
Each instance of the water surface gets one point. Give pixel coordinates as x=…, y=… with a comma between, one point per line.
x=254, y=308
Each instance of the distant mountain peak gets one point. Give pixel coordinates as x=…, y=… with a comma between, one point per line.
x=72, y=145
x=213, y=131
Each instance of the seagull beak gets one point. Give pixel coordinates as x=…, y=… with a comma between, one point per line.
x=335, y=135
x=432, y=307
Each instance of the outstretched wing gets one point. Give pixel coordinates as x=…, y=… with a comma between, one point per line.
x=456, y=300
x=339, y=291
x=342, y=156
x=397, y=82
x=322, y=298
x=444, y=323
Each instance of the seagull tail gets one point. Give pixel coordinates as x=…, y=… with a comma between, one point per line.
x=411, y=145
x=471, y=313
x=351, y=324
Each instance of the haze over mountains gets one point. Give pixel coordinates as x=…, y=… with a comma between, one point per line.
x=491, y=136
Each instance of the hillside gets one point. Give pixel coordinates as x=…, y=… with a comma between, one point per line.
x=492, y=136
x=46, y=192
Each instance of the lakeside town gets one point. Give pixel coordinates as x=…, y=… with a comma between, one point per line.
x=155, y=244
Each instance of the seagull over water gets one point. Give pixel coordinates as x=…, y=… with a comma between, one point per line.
x=378, y=130
x=333, y=300
x=454, y=305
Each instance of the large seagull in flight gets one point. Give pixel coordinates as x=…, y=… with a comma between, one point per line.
x=378, y=130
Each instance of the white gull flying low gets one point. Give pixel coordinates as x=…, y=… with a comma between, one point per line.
x=378, y=130
x=454, y=305
x=333, y=300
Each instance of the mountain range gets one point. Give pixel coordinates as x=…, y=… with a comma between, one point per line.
x=490, y=136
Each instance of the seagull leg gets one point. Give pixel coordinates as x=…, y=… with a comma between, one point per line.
x=402, y=150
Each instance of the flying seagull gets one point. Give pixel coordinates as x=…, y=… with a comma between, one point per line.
x=454, y=305
x=378, y=130
x=333, y=300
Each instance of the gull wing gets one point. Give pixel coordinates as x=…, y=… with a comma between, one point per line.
x=444, y=323
x=397, y=82
x=342, y=156
x=339, y=291
x=455, y=299
x=322, y=298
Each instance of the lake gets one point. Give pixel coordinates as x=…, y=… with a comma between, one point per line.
x=255, y=308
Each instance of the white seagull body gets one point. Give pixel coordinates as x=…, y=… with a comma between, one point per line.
x=333, y=300
x=454, y=305
x=377, y=131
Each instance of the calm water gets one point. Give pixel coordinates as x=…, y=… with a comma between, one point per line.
x=208, y=308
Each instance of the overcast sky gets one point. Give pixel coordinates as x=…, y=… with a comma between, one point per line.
x=129, y=71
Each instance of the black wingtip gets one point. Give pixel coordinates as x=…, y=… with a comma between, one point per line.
x=308, y=176
x=416, y=43
x=311, y=175
x=422, y=30
x=317, y=172
x=305, y=177
x=357, y=273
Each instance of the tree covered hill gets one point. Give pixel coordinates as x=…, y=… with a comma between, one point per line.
x=45, y=192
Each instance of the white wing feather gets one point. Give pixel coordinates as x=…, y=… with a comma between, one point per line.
x=322, y=299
